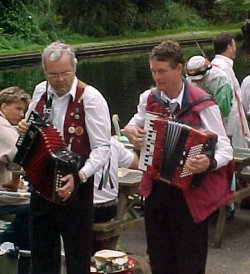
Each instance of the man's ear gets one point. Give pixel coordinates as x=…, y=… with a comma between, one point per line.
x=180, y=67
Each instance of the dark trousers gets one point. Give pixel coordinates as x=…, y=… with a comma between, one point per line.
x=73, y=222
x=176, y=245
x=104, y=214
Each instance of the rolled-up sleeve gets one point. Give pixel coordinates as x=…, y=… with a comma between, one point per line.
x=139, y=118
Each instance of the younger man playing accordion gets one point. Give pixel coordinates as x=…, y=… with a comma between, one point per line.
x=176, y=220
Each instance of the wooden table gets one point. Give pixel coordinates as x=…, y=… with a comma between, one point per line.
x=242, y=161
x=128, y=187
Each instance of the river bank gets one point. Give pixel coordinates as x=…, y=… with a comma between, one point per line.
x=112, y=47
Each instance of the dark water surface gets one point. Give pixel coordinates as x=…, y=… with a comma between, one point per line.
x=120, y=78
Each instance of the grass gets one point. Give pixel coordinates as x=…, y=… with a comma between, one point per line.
x=85, y=41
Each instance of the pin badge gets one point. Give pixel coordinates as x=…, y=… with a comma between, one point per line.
x=79, y=131
x=77, y=116
x=77, y=110
x=71, y=130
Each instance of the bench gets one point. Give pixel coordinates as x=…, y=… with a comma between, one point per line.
x=242, y=163
x=107, y=233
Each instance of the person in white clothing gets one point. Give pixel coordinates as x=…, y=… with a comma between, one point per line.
x=13, y=102
x=245, y=98
x=106, y=180
x=106, y=186
x=80, y=114
x=245, y=95
x=225, y=50
x=215, y=81
x=177, y=239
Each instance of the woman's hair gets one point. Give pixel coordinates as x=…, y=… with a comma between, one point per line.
x=54, y=52
x=14, y=94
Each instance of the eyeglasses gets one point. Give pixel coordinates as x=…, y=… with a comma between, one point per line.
x=60, y=74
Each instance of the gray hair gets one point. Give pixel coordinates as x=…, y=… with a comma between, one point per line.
x=54, y=52
x=14, y=94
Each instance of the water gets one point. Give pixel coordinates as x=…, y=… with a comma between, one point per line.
x=120, y=78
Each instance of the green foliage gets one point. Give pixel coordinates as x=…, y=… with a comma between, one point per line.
x=148, y=5
x=112, y=18
x=13, y=44
x=16, y=20
x=231, y=10
x=173, y=15
x=47, y=21
x=104, y=18
x=25, y=22
x=204, y=8
x=4, y=42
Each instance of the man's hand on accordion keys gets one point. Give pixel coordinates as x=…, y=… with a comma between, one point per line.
x=68, y=187
x=136, y=135
x=198, y=164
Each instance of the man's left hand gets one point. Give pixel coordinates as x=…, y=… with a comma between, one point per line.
x=68, y=187
x=199, y=164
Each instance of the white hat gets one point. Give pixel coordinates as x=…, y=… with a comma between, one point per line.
x=197, y=67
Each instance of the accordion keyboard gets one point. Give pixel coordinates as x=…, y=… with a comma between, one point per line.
x=146, y=153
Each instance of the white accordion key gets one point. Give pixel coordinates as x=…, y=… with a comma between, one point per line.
x=146, y=154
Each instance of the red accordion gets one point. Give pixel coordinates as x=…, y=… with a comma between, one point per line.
x=168, y=146
x=45, y=158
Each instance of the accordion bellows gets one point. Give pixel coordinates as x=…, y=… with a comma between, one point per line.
x=169, y=144
x=45, y=159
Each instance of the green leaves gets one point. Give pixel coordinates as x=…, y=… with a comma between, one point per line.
x=16, y=19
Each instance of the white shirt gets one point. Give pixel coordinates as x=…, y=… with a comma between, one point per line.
x=245, y=93
x=216, y=83
x=97, y=120
x=211, y=120
x=226, y=64
x=8, y=149
x=8, y=138
x=120, y=157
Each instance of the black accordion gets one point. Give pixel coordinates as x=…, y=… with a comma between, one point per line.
x=45, y=158
x=169, y=144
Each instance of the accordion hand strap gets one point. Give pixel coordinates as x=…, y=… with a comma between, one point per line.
x=195, y=103
x=156, y=94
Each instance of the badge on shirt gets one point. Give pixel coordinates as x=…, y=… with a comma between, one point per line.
x=79, y=131
x=71, y=130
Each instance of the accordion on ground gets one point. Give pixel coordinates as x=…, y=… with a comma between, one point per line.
x=45, y=158
x=168, y=146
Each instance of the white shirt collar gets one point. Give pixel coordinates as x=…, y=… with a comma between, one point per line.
x=178, y=99
x=71, y=92
x=228, y=60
